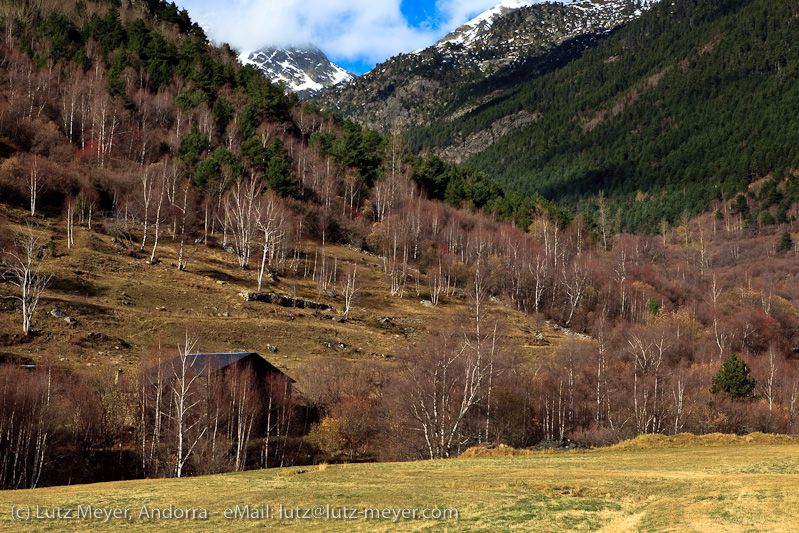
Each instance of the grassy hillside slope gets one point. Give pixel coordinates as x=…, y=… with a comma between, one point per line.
x=719, y=482
x=121, y=306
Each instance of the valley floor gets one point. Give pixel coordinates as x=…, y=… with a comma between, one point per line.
x=748, y=486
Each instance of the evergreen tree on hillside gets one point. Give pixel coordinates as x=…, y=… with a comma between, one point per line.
x=785, y=243
x=733, y=379
x=193, y=145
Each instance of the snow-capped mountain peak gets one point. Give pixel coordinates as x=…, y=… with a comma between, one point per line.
x=304, y=70
x=469, y=31
x=588, y=16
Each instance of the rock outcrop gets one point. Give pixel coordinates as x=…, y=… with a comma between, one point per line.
x=283, y=301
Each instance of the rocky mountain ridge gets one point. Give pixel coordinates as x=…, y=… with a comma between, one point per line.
x=304, y=70
x=417, y=88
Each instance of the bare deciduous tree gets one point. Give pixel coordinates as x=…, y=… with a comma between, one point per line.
x=435, y=278
x=152, y=391
x=271, y=217
x=183, y=389
x=246, y=406
x=69, y=217
x=25, y=425
x=240, y=207
x=24, y=266
x=36, y=183
x=441, y=388
x=183, y=211
x=576, y=280
x=349, y=286
x=162, y=188
x=147, y=180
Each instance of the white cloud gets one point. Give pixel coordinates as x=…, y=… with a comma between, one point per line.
x=456, y=12
x=367, y=29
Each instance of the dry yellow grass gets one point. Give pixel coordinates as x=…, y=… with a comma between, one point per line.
x=685, y=440
x=501, y=451
x=123, y=306
x=720, y=487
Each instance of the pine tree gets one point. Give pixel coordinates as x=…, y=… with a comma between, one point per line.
x=785, y=243
x=733, y=379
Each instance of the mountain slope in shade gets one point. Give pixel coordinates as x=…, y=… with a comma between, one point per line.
x=419, y=88
x=303, y=70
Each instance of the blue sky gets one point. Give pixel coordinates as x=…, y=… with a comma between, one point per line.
x=355, y=34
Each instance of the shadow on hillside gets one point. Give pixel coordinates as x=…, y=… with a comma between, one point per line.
x=75, y=308
x=14, y=359
x=512, y=77
x=76, y=286
x=217, y=275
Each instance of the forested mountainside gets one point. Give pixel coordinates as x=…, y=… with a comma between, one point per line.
x=680, y=107
x=427, y=86
x=686, y=104
x=158, y=198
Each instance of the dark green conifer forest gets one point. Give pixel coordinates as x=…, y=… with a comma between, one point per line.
x=690, y=103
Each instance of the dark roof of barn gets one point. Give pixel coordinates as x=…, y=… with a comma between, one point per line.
x=208, y=363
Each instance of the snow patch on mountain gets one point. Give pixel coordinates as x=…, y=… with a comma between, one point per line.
x=468, y=32
x=412, y=89
x=586, y=16
x=304, y=70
